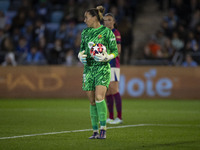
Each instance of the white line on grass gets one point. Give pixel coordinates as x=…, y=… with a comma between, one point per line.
x=84, y=130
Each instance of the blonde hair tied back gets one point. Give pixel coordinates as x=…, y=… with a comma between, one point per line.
x=101, y=10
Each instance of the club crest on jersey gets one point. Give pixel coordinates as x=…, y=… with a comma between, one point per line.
x=99, y=36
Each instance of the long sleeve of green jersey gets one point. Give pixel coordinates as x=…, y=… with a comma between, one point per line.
x=112, y=44
x=82, y=46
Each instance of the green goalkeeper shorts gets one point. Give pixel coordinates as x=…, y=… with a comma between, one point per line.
x=96, y=75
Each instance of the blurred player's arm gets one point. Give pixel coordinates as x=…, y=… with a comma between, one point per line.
x=119, y=48
x=118, y=39
x=113, y=44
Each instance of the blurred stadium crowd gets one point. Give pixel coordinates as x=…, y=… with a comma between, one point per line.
x=41, y=32
x=38, y=32
x=177, y=41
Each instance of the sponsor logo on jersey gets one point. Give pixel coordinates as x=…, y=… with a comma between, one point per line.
x=103, y=81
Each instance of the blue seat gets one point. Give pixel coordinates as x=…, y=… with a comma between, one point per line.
x=52, y=26
x=56, y=16
x=4, y=5
x=11, y=14
x=15, y=5
x=50, y=46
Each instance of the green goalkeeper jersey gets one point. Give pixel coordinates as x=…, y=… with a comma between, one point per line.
x=101, y=35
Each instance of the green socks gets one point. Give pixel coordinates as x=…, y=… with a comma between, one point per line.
x=94, y=117
x=102, y=113
x=98, y=112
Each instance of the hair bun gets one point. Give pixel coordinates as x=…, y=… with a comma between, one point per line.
x=100, y=8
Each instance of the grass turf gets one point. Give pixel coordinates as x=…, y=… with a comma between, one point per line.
x=169, y=124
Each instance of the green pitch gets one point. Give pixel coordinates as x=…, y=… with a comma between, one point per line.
x=62, y=124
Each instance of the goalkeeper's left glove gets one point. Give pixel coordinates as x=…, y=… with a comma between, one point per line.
x=82, y=57
x=103, y=58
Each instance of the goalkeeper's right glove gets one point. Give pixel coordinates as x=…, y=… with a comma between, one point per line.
x=82, y=57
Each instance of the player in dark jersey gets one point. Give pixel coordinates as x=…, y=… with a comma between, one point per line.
x=96, y=74
x=113, y=90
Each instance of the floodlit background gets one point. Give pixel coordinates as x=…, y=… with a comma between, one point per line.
x=42, y=105
x=154, y=32
x=160, y=47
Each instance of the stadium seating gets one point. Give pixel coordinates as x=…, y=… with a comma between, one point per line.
x=56, y=16
x=4, y=5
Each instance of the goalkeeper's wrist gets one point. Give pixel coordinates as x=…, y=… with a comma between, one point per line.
x=110, y=56
x=79, y=55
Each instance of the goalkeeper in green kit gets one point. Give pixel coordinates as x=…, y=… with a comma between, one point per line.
x=97, y=74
